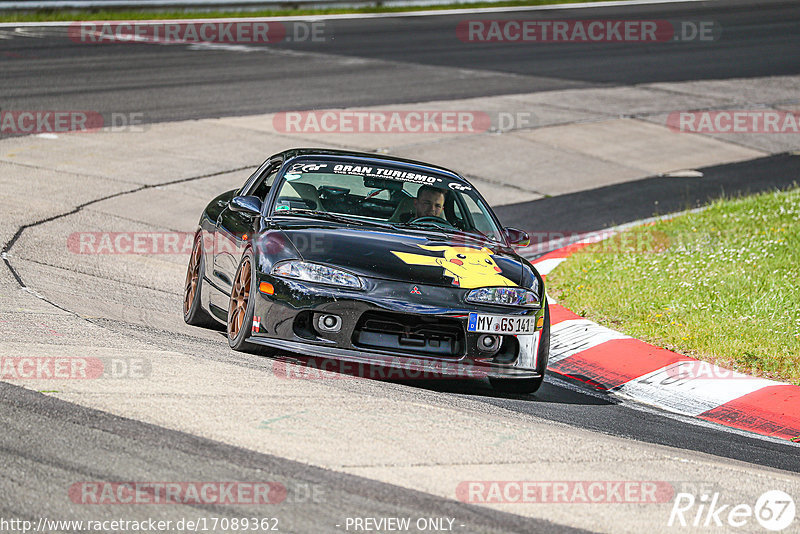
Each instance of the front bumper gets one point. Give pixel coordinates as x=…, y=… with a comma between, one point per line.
x=387, y=324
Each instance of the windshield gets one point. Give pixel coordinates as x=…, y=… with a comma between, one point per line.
x=381, y=193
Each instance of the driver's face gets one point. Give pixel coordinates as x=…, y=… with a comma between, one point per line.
x=429, y=204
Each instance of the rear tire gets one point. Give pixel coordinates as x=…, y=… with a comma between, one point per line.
x=193, y=312
x=524, y=386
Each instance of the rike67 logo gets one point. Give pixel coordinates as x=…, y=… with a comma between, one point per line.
x=774, y=510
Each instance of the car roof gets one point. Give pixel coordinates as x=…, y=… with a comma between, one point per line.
x=299, y=152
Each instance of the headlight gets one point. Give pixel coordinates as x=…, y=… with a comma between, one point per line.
x=507, y=296
x=314, y=272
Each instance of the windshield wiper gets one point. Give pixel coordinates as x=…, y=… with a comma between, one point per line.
x=331, y=216
x=425, y=226
x=445, y=229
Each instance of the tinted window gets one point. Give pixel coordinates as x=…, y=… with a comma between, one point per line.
x=384, y=193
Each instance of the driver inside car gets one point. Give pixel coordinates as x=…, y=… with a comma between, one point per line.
x=429, y=203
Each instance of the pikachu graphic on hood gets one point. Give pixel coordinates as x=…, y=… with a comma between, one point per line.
x=468, y=267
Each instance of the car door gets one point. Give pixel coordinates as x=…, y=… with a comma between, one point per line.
x=234, y=230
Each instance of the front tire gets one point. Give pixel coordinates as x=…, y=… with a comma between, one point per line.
x=242, y=304
x=524, y=386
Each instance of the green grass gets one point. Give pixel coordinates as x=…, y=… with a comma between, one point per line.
x=721, y=285
x=69, y=15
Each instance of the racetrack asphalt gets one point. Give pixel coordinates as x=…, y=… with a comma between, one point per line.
x=385, y=61
x=627, y=202
x=39, y=470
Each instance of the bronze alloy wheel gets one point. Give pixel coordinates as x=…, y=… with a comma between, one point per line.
x=239, y=298
x=192, y=278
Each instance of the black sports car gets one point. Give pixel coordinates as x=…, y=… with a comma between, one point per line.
x=374, y=260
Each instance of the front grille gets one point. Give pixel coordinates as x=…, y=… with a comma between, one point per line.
x=411, y=334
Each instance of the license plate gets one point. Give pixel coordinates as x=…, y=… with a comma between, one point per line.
x=501, y=324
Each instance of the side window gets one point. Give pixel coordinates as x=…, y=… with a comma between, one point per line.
x=457, y=213
x=262, y=189
x=248, y=185
x=481, y=219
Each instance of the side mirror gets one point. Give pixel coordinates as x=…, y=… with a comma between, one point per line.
x=249, y=205
x=517, y=238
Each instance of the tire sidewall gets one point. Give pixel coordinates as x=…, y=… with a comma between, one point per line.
x=240, y=341
x=527, y=386
x=194, y=314
x=544, y=343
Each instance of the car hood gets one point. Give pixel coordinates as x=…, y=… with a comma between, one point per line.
x=454, y=260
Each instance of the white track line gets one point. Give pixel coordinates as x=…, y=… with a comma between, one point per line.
x=427, y=13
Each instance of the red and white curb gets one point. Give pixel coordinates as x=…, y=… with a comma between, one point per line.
x=611, y=361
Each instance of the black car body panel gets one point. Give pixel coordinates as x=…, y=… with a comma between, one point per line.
x=334, y=244
x=411, y=308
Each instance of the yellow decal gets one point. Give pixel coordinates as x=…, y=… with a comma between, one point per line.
x=468, y=267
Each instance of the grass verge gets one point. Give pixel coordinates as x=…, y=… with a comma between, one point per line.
x=70, y=14
x=721, y=285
